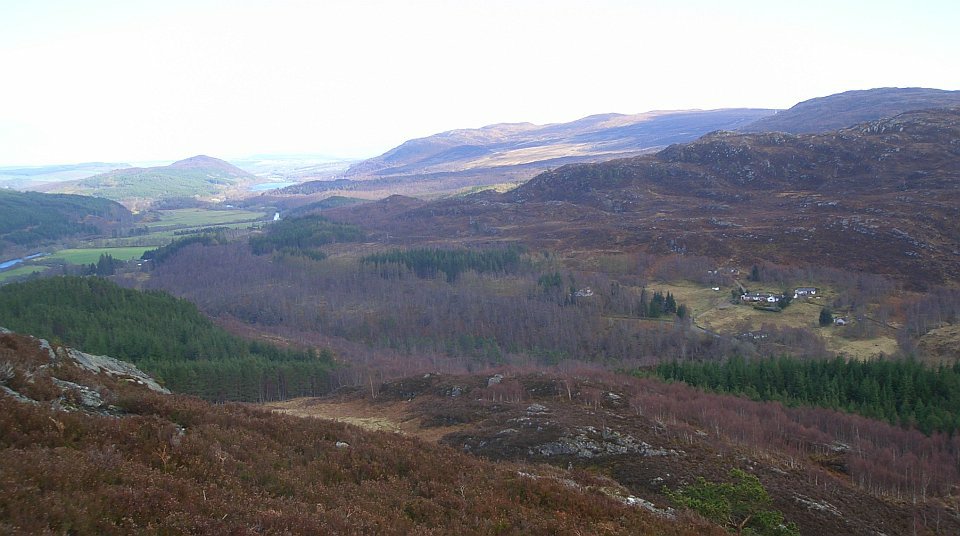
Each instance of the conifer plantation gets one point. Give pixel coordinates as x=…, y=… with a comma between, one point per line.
x=901, y=392
x=166, y=336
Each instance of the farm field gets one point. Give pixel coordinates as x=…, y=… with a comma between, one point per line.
x=92, y=255
x=196, y=217
x=714, y=312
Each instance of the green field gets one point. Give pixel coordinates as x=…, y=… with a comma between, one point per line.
x=92, y=255
x=196, y=217
x=19, y=271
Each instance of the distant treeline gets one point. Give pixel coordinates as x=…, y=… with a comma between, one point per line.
x=428, y=263
x=300, y=233
x=168, y=337
x=203, y=230
x=900, y=392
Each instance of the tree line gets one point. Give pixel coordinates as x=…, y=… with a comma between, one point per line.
x=903, y=392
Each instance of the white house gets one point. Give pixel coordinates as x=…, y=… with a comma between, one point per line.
x=804, y=291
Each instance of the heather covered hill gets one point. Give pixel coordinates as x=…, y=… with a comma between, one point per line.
x=828, y=472
x=593, y=137
x=199, y=176
x=878, y=197
x=96, y=453
x=841, y=110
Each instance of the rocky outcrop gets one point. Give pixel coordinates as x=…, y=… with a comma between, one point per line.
x=32, y=371
x=113, y=367
x=588, y=442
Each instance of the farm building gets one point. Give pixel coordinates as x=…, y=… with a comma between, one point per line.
x=800, y=292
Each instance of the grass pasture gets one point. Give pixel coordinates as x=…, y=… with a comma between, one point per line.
x=713, y=311
x=92, y=255
x=185, y=218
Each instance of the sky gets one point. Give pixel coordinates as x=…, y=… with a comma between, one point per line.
x=136, y=81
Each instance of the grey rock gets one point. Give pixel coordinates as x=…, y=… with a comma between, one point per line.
x=114, y=367
x=537, y=408
x=590, y=443
x=88, y=397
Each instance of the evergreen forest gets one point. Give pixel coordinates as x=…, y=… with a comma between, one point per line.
x=903, y=392
x=428, y=263
x=30, y=217
x=166, y=336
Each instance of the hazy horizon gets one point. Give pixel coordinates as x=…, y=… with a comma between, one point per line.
x=132, y=82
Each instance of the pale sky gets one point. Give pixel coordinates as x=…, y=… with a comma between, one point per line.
x=130, y=81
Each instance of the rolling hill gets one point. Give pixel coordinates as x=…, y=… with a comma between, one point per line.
x=199, y=176
x=29, y=219
x=879, y=197
x=851, y=107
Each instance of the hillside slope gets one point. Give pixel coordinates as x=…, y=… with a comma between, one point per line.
x=829, y=472
x=842, y=110
x=28, y=219
x=86, y=449
x=199, y=176
x=164, y=335
x=879, y=197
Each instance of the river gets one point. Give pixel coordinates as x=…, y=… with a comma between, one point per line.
x=13, y=262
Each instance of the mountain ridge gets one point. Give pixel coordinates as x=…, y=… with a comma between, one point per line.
x=831, y=112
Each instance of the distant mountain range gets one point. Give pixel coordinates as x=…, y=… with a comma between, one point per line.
x=509, y=154
x=512, y=144
x=880, y=196
x=199, y=176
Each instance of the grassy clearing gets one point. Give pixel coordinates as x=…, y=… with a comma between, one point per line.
x=20, y=271
x=92, y=255
x=727, y=317
x=197, y=217
x=712, y=310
